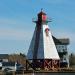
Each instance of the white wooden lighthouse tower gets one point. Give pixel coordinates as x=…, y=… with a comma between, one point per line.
x=42, y=50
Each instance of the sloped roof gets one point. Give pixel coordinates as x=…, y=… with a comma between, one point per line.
x=3, y=56
x=8, y=64
x=61, y=41
x=42, y=47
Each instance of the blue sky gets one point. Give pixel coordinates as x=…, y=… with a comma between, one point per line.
x=16, y=26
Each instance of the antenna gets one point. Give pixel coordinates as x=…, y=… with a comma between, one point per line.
x=41, y=9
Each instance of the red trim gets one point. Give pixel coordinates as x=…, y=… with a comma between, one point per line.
x=44, y=17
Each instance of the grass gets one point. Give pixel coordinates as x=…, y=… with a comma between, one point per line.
x=61, y=70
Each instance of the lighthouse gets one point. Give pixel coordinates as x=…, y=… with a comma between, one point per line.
x=42, y=51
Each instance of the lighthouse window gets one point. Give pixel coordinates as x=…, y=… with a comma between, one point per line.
x=61, y=47
x=47, y=31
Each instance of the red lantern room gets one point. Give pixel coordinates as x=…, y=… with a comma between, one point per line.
x=42, y=16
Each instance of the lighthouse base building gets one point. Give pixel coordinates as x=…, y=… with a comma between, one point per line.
x=42, y=52
x=62, y=48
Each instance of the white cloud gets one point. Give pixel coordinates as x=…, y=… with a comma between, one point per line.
x=13, y=29
x=65, y=34
x=6, y=21
x=13, y=34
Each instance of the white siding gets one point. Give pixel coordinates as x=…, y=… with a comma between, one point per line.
x=46, y=49
x=0, y=64
x=50, y=51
